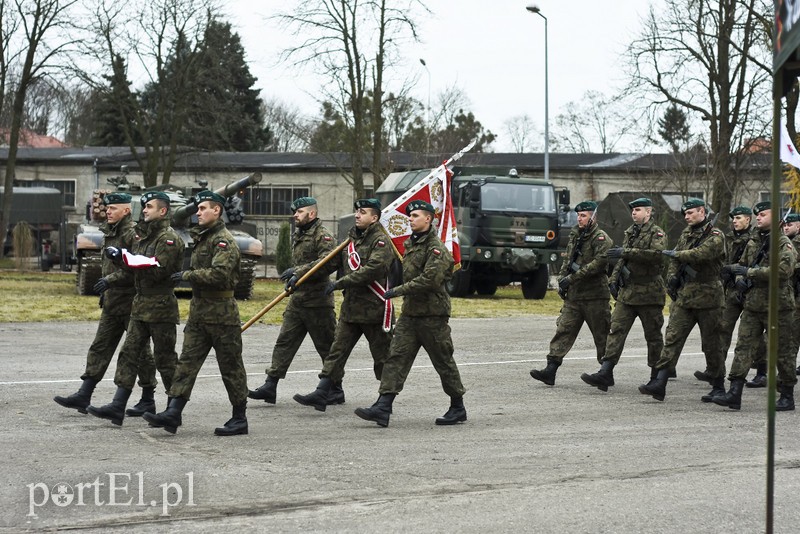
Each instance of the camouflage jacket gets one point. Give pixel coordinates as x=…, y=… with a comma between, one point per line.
x=735, y=242
x=703, y=252
x=360, y=304
x=591, y=280
x=213, y=275
x=796, y=277
x=427, y=265
x=118, y=298
x=638, y=272
x=757, y=297
x=310, y=245
x=155, y=300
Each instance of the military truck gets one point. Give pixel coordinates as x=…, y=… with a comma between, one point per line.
x=89, y=238
x=508, y=228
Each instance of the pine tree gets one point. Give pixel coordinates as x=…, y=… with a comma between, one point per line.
x=283, y=252
x=672, y=127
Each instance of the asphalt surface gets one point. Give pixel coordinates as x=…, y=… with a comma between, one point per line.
x=530, y=458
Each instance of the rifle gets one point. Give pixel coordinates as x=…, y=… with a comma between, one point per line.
x=574, y=266
x=727, y=279
x=685, y=272
x=743, y=285
x=624, y=273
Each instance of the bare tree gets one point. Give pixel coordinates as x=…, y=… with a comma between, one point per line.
x=709, y=57
x=522, y=133
x=290, y=130
x=596, y=123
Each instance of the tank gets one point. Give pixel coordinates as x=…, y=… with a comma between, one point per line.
x=89, y=238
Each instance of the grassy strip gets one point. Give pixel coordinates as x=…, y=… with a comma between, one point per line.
x=39, y=297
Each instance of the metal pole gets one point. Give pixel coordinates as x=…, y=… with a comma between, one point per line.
x=535, y=9
x=427, y=110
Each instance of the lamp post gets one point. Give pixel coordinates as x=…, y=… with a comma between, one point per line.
x=535, y=9
x=427, y=110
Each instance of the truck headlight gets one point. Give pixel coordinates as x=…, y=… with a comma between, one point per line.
x=487, y=254
x=553, y=258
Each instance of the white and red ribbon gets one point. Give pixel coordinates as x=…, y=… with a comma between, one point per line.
x=354, y=262
x=137, y=261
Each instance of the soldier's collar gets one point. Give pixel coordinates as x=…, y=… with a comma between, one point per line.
x=417, y=236
x=309, y=224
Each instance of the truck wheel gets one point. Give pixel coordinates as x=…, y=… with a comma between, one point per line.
x=534, y=286
x=459, y=284
x=89, y=273
x=485, y=287
x=247, y=278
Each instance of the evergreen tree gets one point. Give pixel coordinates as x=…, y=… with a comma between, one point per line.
x=283, y=251
x=673, y=129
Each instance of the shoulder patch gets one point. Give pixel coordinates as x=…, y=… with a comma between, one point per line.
x=327, y=238
x=601, y=238
x=659, y=234
x=170, y=242
x=437, y=252
x=716, y=232
x=137, y=237
x=381, y=243
x=222, y=244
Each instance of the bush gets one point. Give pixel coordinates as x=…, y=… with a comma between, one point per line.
x=22, y=243
x=283, y=253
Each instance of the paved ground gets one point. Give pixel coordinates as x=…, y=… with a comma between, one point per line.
x=531, y=458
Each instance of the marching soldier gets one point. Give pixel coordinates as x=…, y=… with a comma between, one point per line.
x=637, y=285
x=115, y=302
x=427, y=265
x=752, y=282
x=791, y=229
x=583, y=284
x=694, y=285
x=213, y=320
x=364, y=269
x=157, y=254
x=309, y=311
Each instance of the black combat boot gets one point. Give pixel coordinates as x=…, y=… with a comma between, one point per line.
x=760, y=380
x=603, y=378
x=673, y=373
x=717, y=388
x=170, y=419
x=336, y=396
x=548, y=374
x=147, y=404
x=81, y=399
x=786, y=402
x=657, y=387
x=317, y=398
x=380, y=411
x=114, y=412
x=268, y=392
x=703, y=376
x=237, y=424
x=653, y=374
x=733, y=398
x=455, y=414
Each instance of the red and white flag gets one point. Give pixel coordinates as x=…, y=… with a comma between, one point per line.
x=788, y=150
x=137, y=261
x=434, y=189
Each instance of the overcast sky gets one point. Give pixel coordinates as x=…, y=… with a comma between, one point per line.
x=493, y=50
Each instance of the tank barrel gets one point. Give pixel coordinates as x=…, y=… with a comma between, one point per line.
x=234, y=187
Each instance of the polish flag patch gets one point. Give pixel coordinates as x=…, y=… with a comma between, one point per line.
x=222, y=244
x=170, y=242
x=437, y=252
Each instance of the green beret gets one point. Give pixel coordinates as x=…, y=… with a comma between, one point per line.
x=302, y=202
x=373, y=203
x=643, y=202
x=419, y=205
x=205, y=194
x=761, y=206
x=793, y=217
x=154, y=195
x=116, y=198
x=740, y=210
x=692, y=203
x=586, y=205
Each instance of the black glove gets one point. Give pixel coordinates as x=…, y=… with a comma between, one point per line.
x=288, y=273
x=736, y=269
x=101, y=285
x=615, y=252
x=564, y=283
x=291, y=283
x=614, y=289
x=330, y=288
x=742, y=285
x=176, y=278
x=114, y=254
x=670, y=253
x=390, y=294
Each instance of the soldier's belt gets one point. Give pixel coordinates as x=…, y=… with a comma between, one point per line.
x=151, y=291
x=206, y=294
x=122, y=290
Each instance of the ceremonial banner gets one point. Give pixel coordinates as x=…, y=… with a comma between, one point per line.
x=788, y=150
x=137, y=261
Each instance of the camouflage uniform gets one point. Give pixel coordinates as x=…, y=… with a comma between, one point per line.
x=154, y=312
x=587, y=298
x=753, y=323
x=699, y=299
x=309, y=310
x=641, y=292
x=116, y=303
x=427, y=265
x=213, y=320
x=796, y=286
x=362, y=311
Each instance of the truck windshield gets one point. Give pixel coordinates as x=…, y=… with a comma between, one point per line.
x=525, y=198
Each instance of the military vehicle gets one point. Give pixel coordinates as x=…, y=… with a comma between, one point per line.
x=89, y=238
x=508, y=228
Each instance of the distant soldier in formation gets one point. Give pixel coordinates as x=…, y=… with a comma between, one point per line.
x=364, y=270
x=154, y=312
x=309, y=310
x=791, y=229
x=424, y=321
x=693, y=283
x=213, y=321
x=583, y=284
x=115, y=301
x=637, y=286
x=752, y=282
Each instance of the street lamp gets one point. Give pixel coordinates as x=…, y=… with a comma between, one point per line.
x=535, y=9
x=427, y=110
